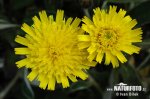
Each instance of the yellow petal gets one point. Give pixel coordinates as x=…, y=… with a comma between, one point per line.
x=28, y=29
x=51, y=84
x=130, y=49
x=84, y=38
x=112, y=9
x=87, y=21
x=83, y=45
x=111, y=58
x=92, y=56
x=51, y=19
x=33, y=74
x=122, y=13
x=72, y=78
x=43, y=17
x=75, y=23
x=22, y=63
x=58, y=78
x=107, y=58
x=99, y=57
x=88, y=29
x=22, y=40
x=81, y=74
x=132, y=23
x=68, y=22
x=59, y=16
x=92, y=48
x=135, y=35
x=88, y=63
x=37, y=22
x=22, y=51
x=127, y=19
x=84, y=66
x=97, y=16
x=43, y=81
x=121, y=57
x=114, y=61
x=65, y=82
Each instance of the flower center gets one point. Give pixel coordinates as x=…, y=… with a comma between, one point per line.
x=107, y=38
x=53, y=53
x=108, y=35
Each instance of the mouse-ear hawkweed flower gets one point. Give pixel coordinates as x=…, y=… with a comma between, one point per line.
x=109, y=34
x=51, y=51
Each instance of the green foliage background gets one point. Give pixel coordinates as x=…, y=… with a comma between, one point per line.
x=13, y=82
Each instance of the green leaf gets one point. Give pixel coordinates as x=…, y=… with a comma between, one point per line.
x=80, y=85
x=141, y=13
x=5, y=25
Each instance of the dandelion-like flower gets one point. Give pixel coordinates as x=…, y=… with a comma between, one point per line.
x=51, y=51
x=109, y=35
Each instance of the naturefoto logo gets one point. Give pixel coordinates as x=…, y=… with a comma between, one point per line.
x=123, y=89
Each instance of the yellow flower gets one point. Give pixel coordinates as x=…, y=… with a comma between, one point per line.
x=109, y=35
x=51, y=51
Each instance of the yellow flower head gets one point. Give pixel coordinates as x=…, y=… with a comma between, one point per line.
x=109, y=35
x=51, y=51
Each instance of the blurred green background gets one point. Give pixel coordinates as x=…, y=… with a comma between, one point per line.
x=13, y=81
